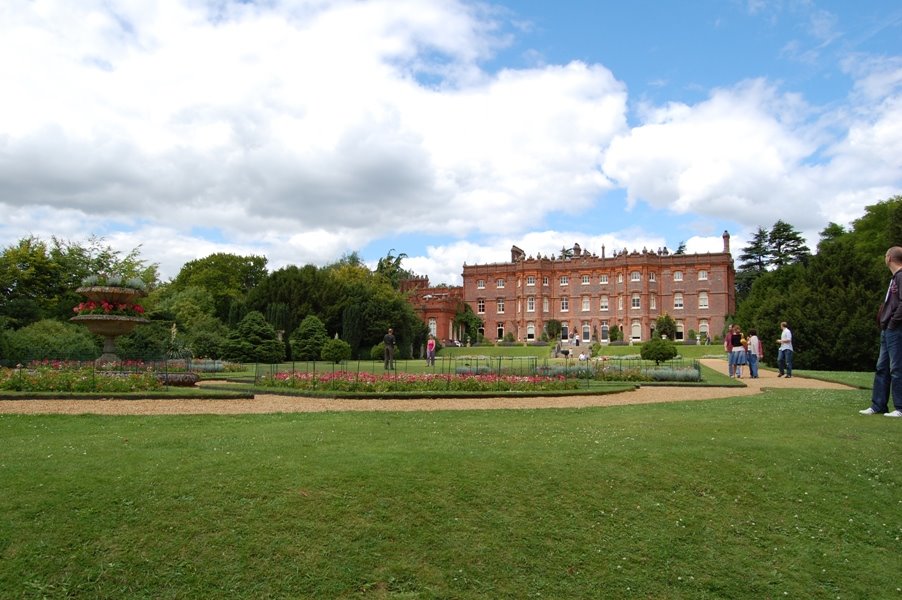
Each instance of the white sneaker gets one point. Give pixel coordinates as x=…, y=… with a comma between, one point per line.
x=895, y=413
x=867, y=411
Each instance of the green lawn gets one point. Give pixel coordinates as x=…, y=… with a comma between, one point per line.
x=789, y=494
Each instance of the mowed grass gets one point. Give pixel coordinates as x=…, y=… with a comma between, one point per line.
x=786, y=494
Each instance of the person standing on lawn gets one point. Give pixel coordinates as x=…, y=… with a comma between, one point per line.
x=430, y=351
x=389, y=341
x=755, y=353
x=784, y=354
x=888, y=373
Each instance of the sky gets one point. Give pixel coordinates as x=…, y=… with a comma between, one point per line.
x=446, y=130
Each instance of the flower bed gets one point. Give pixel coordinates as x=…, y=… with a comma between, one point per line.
x=63, y=378
x=345, y=381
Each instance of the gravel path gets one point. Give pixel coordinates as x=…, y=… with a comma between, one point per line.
x=271, y=403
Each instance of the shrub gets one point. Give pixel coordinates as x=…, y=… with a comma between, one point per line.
x=336, y=350
x=308, y=339
x=658, y=350
x=254, y=340
x=50, y=339
x=378, y=351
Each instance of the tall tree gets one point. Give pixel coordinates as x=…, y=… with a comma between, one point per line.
x=786, y=245
x=754, y=261
x=228, y=278
x=390, y=267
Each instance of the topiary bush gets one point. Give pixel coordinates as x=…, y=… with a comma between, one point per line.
x=336, y=351
x=308, y=339
x=658, y=350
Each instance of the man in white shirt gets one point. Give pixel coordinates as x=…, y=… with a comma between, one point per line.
x=784, y=354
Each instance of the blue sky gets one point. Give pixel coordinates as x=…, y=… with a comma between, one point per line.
x=447, y=130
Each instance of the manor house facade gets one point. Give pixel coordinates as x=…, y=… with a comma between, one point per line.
x=589, y=293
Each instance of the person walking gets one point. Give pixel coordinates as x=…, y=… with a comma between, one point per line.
x=755, y=353
x=389, y=352
x=888, y=372
x=784, y=354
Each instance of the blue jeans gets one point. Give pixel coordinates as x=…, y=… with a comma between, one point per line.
x=753, y=364
x=888, y=373
x=784, y=362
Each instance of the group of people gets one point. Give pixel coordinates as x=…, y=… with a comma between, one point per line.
x=742, y=350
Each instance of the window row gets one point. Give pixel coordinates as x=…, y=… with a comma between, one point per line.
x=603, y=303
x=634, y=331
x=586, y=279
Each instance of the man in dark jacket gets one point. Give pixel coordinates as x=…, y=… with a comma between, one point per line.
x=389, y=341
x=888, y=374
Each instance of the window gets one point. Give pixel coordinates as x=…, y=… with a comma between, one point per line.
x=636, y=301
x=545, y=281
x=531, y=280
x=586, y=332
x=651, y=276
x=703, y=276
x=603, y=303
x=500, y=305
x=678, y=301
x=636, y=330
x=703, y=299
x=565, y=304
x=603, y=279
x=432, y=326
x=544, y=304
x=565, y=280
x=678, y=276
x=679, y=330
x=480, y=284
x=530, y=331
x=499, y=283
x=635, y=276
x=531, y=304
x=619, y=302
x=587, y=304
x=619, y=277
x=652, y=302
x=480, y=305
x=585, y=280
x=703, y=329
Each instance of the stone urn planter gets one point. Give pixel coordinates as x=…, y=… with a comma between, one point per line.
x=110, y=311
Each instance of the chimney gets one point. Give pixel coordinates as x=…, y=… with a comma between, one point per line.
x=726, y=242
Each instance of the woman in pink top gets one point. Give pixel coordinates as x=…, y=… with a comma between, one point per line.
x=430, y=350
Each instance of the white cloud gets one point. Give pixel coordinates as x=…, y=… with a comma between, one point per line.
x=293, y=121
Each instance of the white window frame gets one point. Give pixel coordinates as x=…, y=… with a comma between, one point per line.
x=480, y=284
x=703, y=302
x=678, y=302
x=530, y=280
x=703, y=275
x=678, y=276
x=499, y=283
x=565, y=304
x=603, y=279
x=635, y=276
x=585, y=280
x=636, y=301
x=604, y=303
x=499, y=306
x=587, y=303
x=565, y=280
x=480, y=306
x=530, y=304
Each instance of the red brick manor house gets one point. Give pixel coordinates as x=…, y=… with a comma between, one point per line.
x=587, y=293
